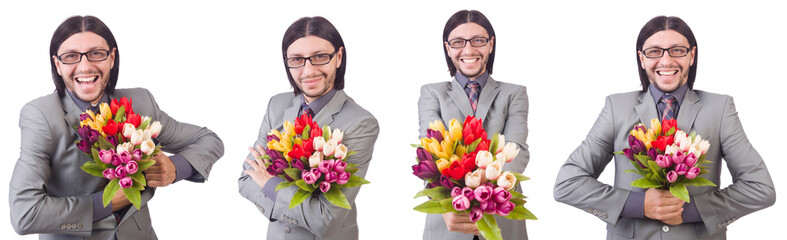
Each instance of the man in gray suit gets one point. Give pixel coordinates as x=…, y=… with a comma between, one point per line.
x=49, y=193
x=667, y=60
x=469, y=47
x=315, y=60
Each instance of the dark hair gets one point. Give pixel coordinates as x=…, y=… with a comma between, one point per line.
x=462, y=17
x=662, y=23
x=319, y=27
x=78, y=24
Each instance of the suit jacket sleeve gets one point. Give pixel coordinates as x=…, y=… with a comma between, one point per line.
x=516, y=130
x=32, y=209
x=246, y=185
x=577, y=181
x=199, y=145
x=752, y=188
x=428, y=110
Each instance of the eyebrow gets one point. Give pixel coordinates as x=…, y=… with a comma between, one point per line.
x=90, y=49
x=658, y=46
x=313, y=53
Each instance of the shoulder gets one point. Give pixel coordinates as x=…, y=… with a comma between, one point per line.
x=357, y=115
x=436, y=87
x=712, y=97
x=511, y=87
x=281, y=99
x=46, y=102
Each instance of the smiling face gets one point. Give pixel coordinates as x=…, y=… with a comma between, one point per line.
x=470, y=61
x=314, y=80
x=667, y=72
x=86, y=79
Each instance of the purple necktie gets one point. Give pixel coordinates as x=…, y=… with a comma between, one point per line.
x=473, y=94
x=669, y=109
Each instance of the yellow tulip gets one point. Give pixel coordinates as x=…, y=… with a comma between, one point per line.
x=455, y=129
x=655, y=126
x=289, y=128
x=100, y=122
x=460, y=150
x=91, y=114
x=455, y=158
x=442, y=164
x=437, y=125
x=106, y=111
x=431, y=145
x=278, y=146
x=275, y=132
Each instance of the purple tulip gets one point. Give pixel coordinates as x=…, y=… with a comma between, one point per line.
x=434, y=134
x=331, y=177
x=678, y=158
x=83, y=117
x=344, y=177
x=672, y=176
x=308, y=177
x=640, y=128
x=325, y=186
x=125, y=157
x=83, y=132
x=503, y=209
x=652, y=153
x=120, y=171
x=501, y=195
x=132, y=167
x=274, y=154
x=488, y=207
x=316, y=172
x=326, y=165
x=636, y=145
x=476, y=214
x=423, y=155
x=629, y=154
x=483, y=193
x=425, y=170
x=92, y=136
x=109, y=173
x=445, y=182
x=272, y=138
x=456, y=191
x=84, y=146
x=126, y=182
x=106, y=155
x=693, y=172
x=461, y=203
x=690, y=160
x=663, y=161
x=681, y=169
x=432, y=184
x=277, y=167
x=136, y=155
x=297, y=163
x=339, y=166
x=113, y=140
x=469, y=193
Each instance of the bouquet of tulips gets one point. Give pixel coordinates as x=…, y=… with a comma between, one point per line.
x=464, y=171
x=120, y=142
x=667, y=158
x=311, y=158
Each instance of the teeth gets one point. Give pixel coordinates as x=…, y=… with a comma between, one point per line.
x=667, y=73
x=469, y=60
x=90, y=79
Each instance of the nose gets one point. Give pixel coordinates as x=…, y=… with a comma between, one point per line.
x=308, y=68
x=83, y=65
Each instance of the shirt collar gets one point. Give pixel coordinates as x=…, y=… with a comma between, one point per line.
x=85, y=105
x=463, y=80
x=678, y=93
x=320, y=102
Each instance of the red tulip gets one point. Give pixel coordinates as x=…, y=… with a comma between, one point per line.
x=134, y=119
x=115, y=105
x=666, y=125
x=662, y=142
x=111, y=128
x=455, y=171
x=297, y=152
x=468, y=161
x=472, y=129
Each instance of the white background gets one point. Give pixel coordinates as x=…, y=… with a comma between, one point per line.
x=216, y=64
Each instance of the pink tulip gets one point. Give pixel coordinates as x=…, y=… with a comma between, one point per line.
x=501, y=195
x=690, y=160
x=325, y=186
x=672, y=176
x=663, y=161
x=505, y=208
x=331, y=177
x=126, y=182
x=678, y=158
x=456, y=191
x=469, y=193
x=308, y=177
x=326, y=166
x=681, y=169
x=693, y=172
x=483, y=193
x=109, y=173
x=120, y=171
x=339, y=166
x=316, y=172
x=344, y=177
x=476, y=214
x=132, y=167
x=106, y=155
x=461, y=203
x=489, y=207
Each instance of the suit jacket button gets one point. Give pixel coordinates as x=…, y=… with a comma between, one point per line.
x=665, y=228
x=719, y=225
x=62, y=226
x=295, y=222
x=287, y=229
x=79, y=226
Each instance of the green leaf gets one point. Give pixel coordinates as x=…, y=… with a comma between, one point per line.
x=133, y=197
x=635, y=171
x=416, y=145
x=350, y=153
x=284, y=184
x=335, y=196
x=436, y=193
x=657, y=171
x=120, y=114
x=521, y=213
x=487, y=225
x=305, y=133
x=300, y=196
x=110, y=190
x=448, y=204
x=494, y=142
x=679, y=191
x=294, y=173
x=518, y=201
x=93, y=169
x=645, y=183
x=266, y=157
x=431, y=206
x=104, y=144
x=144, y=124
x=670, y=132
x=354, y=182
x=326, y=132
x=138, y=177
x=472, y=146
x=520, y=177
x=145, y=164
x=515, y=194
x=351, y=165
x=699, y=181
x=351, y=170
x=303, y=185
x=137, y=185
x=94, y=154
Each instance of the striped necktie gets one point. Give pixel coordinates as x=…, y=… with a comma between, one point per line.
x=669, y=109
x=305, y=109
x=473, y=94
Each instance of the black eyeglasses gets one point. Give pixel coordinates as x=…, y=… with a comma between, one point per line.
x=319, y=59
x=461, y=42
x=655, y=52
x=97, y=55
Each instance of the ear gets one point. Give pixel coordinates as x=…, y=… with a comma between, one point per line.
x=491, y=45
x=693, y=52
x=57, y=65
x=447, y=47
x=112, y=58
x=641, y=59
x=339, y=57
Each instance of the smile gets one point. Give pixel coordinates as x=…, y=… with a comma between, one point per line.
x=86, y=80
x=469, y=60
x=667, y=73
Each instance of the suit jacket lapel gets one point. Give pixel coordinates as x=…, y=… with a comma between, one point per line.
x=292, y=112
x=71, y=110
x=458, y=95
x=325, y=116
x=688, y=110
x=646, y=108
x=488, y=94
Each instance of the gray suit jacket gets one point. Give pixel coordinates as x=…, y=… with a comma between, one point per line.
x=502, y=108
x=49, y=194
x=315, y=218
x=713, y=117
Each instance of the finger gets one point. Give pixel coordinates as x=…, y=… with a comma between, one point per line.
x=260, y=162
x=254, y=152
x=248, y=172
x=260, y=149
x=671, y=215
x=253, y=164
